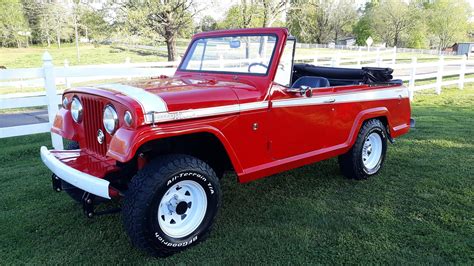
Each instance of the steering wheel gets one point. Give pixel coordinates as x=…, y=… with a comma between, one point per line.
x=256, y=64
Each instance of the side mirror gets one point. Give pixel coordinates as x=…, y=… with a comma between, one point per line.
x=302, y=90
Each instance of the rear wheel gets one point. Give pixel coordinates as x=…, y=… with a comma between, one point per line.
x=367, y=156
x=171, y=204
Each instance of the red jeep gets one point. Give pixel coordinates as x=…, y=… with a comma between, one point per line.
x=236, y=102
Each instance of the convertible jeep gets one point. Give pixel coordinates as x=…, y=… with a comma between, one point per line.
x=237, y=102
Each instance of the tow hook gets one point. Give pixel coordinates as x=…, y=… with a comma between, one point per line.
x=412, y=123
x=89, y=201
x=56, y=182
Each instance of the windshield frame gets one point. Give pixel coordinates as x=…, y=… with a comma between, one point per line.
x=191, y=45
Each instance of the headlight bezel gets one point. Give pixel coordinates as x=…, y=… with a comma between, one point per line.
x=79, y=111
x=111, y=108
x=65, y=102
x=128, y=118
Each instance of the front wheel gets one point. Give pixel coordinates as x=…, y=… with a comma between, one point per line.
x=171, y=204
x=367, y=156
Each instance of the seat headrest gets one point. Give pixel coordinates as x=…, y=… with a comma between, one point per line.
x=312, y=82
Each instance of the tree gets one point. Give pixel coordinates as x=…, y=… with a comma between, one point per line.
x=49, y=21
x=13, y=24
x=343, y=16
x=272, y=10
x=392, y=19
x=417, y=36
x=207, y=23
x=245, y=15
x=61, y=21
x=307, y=22
x=448, y=21
x=363, y=30
x=321, y=21
x=167, y=18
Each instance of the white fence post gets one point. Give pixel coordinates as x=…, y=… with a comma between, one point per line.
x=315, y=61
x=439, y=76
x=127, y=62
x=462, y=72
x=221, y=61
x=411, y=83
x=394, y=56
x=359, y=57
x=66, y=80
x=378, y=59
x=335, y=60
x=51, y=94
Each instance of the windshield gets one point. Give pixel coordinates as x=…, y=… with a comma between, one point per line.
x=232, y=54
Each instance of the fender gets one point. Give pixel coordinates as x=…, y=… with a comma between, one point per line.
x=63, y=125
x=121, y=151
x=365, y=115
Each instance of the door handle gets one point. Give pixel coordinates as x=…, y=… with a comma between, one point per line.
x=331, y=100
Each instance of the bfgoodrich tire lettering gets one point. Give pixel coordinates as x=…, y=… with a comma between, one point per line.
x=367, y=155
x=150, y=185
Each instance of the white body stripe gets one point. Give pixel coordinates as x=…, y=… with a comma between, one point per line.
x=156, y=110
x=358, y=96
x=211, y=111
x=150, y=102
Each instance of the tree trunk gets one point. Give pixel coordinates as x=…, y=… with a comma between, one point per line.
x=265, y=14
x=395, y=41
x=171, y=45
x=58, y=38
x=77, y=39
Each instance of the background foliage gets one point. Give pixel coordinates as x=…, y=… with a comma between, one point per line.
x=416, y=23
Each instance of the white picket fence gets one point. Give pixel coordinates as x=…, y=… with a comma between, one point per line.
x=49, y=77
x=356, y=47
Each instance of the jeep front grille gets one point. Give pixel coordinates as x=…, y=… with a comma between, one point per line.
x=92, y=123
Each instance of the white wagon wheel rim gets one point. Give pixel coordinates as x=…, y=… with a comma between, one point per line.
x=182, y=209
x=372, y=151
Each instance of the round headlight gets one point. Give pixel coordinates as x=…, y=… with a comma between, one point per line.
x=76, y=110
x=110, y=119
x=127, y=117
x=65, y=102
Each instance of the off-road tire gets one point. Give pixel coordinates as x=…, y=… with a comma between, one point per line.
x=351, y=163
x=73, y=192
x=147, y=188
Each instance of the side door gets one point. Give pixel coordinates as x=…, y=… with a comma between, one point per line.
x=298, y=124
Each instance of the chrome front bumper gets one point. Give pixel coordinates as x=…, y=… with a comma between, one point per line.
x=84, y=181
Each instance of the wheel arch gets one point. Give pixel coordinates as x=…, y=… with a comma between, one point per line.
x=380, y=113
x=205, y=143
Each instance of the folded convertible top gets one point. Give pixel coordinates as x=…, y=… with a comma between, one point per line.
x=365, y=75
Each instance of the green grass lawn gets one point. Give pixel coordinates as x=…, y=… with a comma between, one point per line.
x=103, y=54
x=419, y=209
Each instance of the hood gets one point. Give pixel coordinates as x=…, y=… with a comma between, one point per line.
x=172, y=96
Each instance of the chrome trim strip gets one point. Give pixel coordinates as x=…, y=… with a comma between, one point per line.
x=86, y=182
x=253, y=106
x=149, y=102
x=210, y=111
